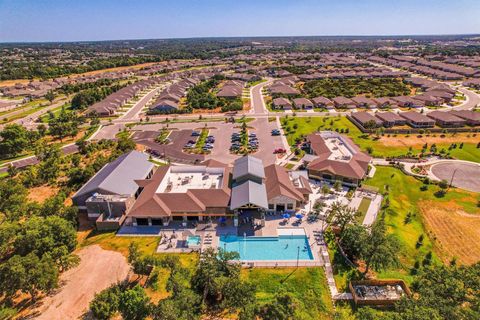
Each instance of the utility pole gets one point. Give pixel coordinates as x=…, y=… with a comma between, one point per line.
x=453, y=175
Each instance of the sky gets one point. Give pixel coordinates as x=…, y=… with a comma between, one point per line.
x=83, y=20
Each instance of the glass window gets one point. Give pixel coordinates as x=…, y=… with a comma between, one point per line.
x=289, y=206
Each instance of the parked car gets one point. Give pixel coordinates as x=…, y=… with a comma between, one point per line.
x=279, y=150
x=195, y=134
x=275, y=132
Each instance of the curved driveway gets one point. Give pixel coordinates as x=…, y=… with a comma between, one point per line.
x=461, y=174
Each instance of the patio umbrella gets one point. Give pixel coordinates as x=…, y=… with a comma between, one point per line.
x=286, y=216
x=299, y=216
x=222, y=219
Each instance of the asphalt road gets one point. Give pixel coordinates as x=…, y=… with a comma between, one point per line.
x=67, y=149
x=137, y=108
x=461, y=174
x=258, y=104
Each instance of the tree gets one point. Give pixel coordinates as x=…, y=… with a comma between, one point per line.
x=340, y=215
x=49, y=166
x=14, y=139
x=379, y=249
x=208, y=277
x=65, y=124
x=50, y=96
x=353, y=239
x=443, y=184
x=325, y=190
x=134, y=304
x=282, y=308
x=106, y=303
x=183, y=305
x=13, y=197
x=28, y=274
x=125, y=143
x=337, y=186
x=43, y=235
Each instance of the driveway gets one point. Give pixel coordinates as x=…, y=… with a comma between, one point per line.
x=465, y=175
x=174, y=150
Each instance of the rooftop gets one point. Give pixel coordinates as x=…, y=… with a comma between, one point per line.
x=182, y=178
x=339, y=148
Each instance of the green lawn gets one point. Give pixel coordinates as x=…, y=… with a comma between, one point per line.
x=56, y=111
x=404, y=196
x=363, y=208
x=297, y=127
x=307, y=285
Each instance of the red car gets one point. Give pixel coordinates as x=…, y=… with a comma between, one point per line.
x=279, y=150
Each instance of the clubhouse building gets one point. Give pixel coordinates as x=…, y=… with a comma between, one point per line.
x=203, y=192
x=335, y=157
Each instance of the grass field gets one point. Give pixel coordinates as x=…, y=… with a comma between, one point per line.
x=387, y=145
x=406, y=197
x=363, y=208
x=456, y=233
x=307, y=285
x=406, y=221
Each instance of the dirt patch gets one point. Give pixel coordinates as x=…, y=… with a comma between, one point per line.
x=97, y=270
x=416, y=141
x=42, y=193
x=456, y=233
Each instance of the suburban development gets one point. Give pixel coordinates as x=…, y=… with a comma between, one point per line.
x=319, y=177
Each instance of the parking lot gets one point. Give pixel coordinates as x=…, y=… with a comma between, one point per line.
x=221, y=131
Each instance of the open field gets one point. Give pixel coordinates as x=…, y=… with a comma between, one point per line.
x=405, y=220
x=405, y=196
x=98, y=269
x=457, y=233
x=387, y=145
x=41, y=193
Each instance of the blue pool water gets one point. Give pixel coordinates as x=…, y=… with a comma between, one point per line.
x=268, y=248
x=193, y=240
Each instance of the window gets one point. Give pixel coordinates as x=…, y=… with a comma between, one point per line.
x=289, y=206
x=271, y=206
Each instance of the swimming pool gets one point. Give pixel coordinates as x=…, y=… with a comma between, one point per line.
x=268, y=248
x=193, y=241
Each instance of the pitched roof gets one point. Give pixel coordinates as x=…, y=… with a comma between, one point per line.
x=153, y=204
x=249, y=192
x=278, y=183
x=356, y=167
x=118, y=176
x=248, y=165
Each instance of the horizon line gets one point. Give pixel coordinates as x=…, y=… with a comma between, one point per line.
x=234, y=37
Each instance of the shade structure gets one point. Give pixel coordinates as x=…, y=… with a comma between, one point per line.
x=286, y=215
x=299, y=216
x=222, y=219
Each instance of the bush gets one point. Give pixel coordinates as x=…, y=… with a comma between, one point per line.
x=105, y=304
